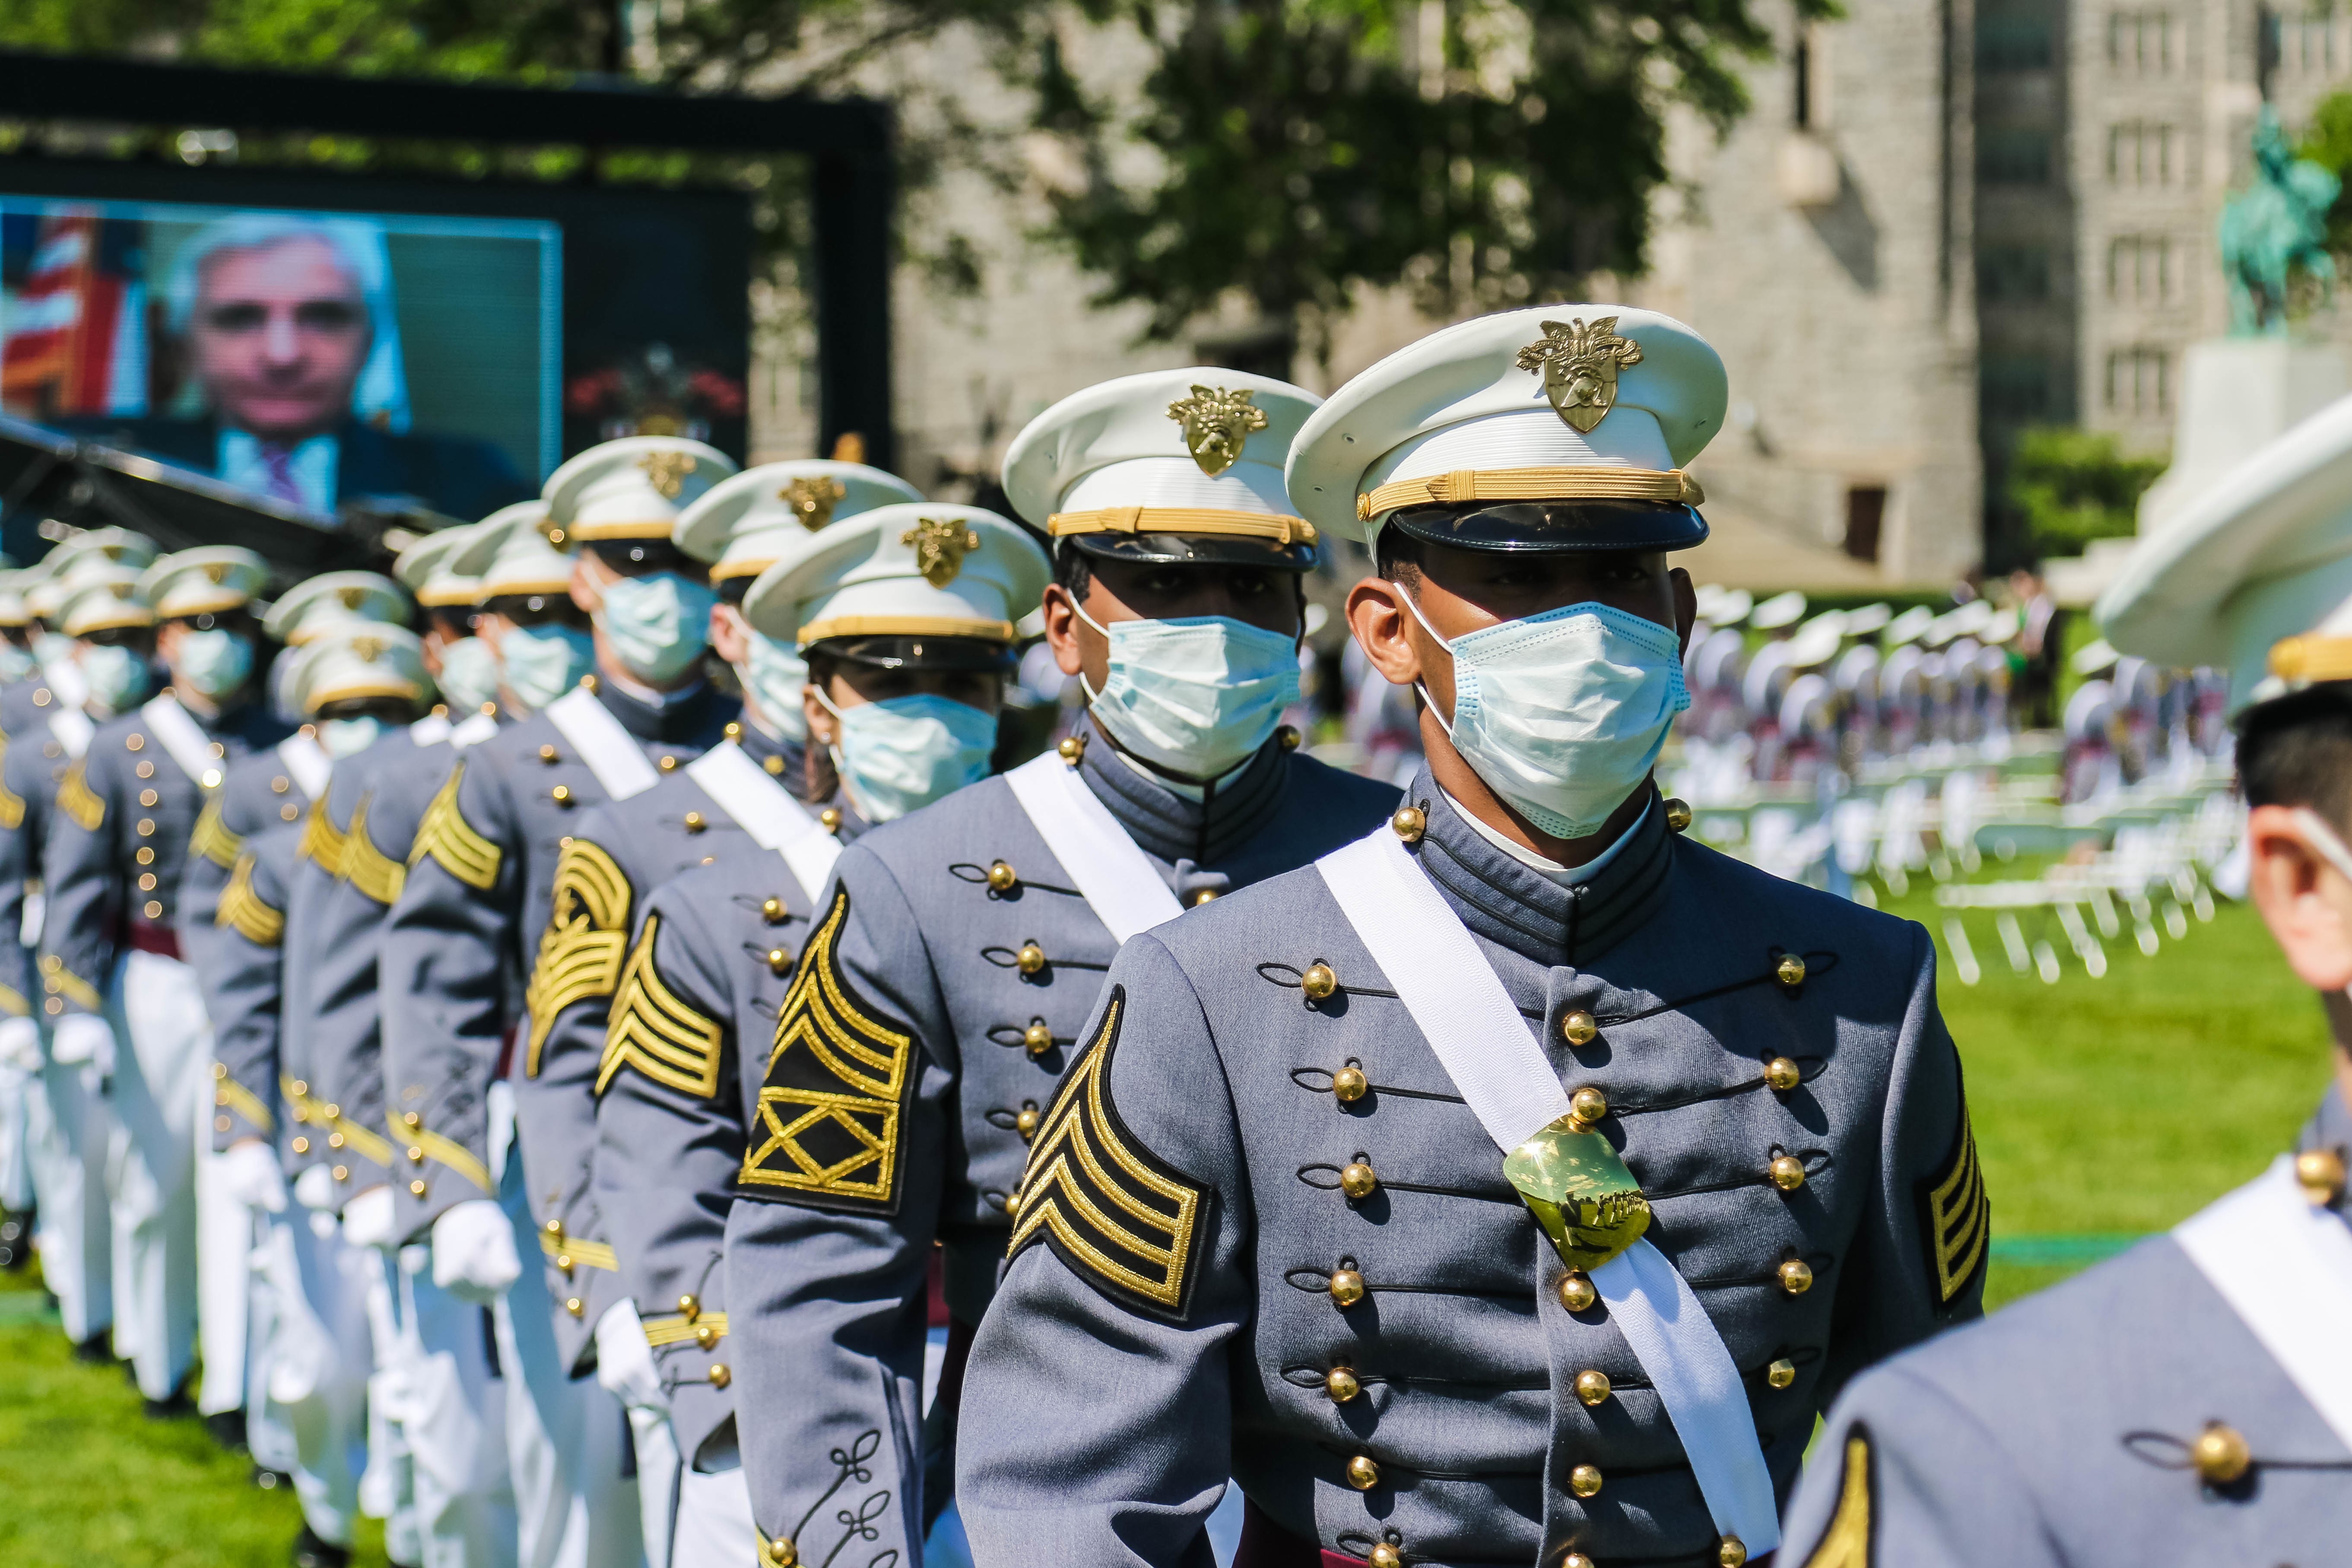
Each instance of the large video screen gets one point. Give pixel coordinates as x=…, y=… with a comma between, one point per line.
x=308, y=357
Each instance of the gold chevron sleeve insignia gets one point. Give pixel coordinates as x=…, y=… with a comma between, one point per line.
x=825, y=1131
x=1956, y=1216
x=367, y=868
x=322, y=844
x=654, y=1032
x=443, y=833
x=82, y=808
x=587, y=936
x=214, y=841
x=1847, y=1543
x=1116, y=1214
x=243, y=911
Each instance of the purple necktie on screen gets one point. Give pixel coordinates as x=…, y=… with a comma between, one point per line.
x=279, y=462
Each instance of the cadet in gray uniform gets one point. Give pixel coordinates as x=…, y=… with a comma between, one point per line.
x=119, y=993
x=2186, y=1401
x=924, y=649
x=958, y=951
x=478, y=891
x=1517, y=1183
x=22, y=1109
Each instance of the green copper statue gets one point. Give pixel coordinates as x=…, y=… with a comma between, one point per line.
x=2277, y=224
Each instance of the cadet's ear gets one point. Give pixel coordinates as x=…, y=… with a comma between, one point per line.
x=2304, y=898
x=1685, y=605
x=1384, y=627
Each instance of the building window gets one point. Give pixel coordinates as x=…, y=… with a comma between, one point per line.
x=2014, y=389
x=2008, y=44
x=2139, y=381
x=1866, y=515
x=2013, y=274
x=2013, y=157
x=2141, y=152
x=2141, y=269
x=2140, y=42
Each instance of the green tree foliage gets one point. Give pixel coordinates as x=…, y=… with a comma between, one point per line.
x=2073, y=486
x=1481, y=154
x=2327, y=141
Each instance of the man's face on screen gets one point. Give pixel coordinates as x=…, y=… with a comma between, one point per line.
x=281, y=333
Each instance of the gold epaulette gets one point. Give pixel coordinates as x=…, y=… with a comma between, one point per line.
x=706, y=1329
x=82, y=808
x=587, y=936
x=365, y=867
x=212, y=839
x=653, y=1031
x=445, y=835
x=242, y=910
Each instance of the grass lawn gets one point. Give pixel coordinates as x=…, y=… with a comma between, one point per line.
x=2102, y=1108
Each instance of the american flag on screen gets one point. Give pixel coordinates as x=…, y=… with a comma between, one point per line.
x=73, y=329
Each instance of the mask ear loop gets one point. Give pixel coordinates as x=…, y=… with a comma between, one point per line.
x=1435, y=636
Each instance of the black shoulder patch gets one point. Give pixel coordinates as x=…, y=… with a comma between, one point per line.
x=1955, y=1218
x=1118, y=1215
x=1846, y=1542
x=826, y=1132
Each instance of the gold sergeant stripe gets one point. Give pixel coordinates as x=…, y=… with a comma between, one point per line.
x=584, y=1254
x=1847, y=1544
x=366, y=868
x=1958, y=1216
x=653, y=1031
x=587, y=936
x=1598, y=481
x=231, y=1094
x=322, y=844
x=447, y=1152
x=243, y=911
x=82, y=808
x=443, y=833
x=1280, y=526
x=676, y=1329
x=212, y=839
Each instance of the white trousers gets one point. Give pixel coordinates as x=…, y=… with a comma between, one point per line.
x=317, y=1362
x=388, y=1484
x=18, y=1089
x=714, y=1520
x=69, y=1143
x=450, y=1407
x=225, y=1328
x=565, y=1435
x=162, y=1045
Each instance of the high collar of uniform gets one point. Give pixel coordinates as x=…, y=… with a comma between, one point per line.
x=790, y=756
x=1175, y=827
x=680, y=718
x=2331, y=1129
x=1516, y=906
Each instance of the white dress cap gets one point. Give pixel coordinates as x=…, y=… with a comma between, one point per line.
x=2255, y=574
x=13, y=584
x=741, y=525
x=207, y=580
x=631, y=488
x=115, y=546
x=317, y=601
x=1202, y=448
x=104, y=598
x=508, y=553
x=350, y=660
x=902, y=571
x=424, y=569
x=1496, y=406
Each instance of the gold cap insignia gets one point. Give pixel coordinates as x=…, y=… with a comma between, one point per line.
x=940, y=544
x=812, y=500
x=666, y=471
x=1217, y=425
x=122, y=590
x=216, y=572
x=351, y=596
x=368, y=648
x=1579, y=362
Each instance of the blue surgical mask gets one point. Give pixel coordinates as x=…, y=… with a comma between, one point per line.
x=901, y=753
x=215, y=662
x=469, y=675
x=118, y=676
x=1196, y=696
x=52, y=647
x=658, y=625
x=1563, y=714
x=773, y=674
x=341, y=738
x=14, y=663
x=542, y=663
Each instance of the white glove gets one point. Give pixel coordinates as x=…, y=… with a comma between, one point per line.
x=625, y=1361
x=368, y=1219
x=84, y=1037
x=20, y=1045
x=474, y=1251
x=315, y=1189
x=248, y=1173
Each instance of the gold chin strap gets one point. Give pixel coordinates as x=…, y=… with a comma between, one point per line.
x=1275, y=526
x=2312, y=658
x=1595, y=482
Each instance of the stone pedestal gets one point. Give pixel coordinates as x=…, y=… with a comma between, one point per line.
x=2236, y=395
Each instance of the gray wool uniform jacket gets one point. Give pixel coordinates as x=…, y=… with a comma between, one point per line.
x=242, y=978
x=1172, y=1312
x=714, y=952
x=916, y=1048
x=2059, y=1432
x=479, y=887
x=34, y=762
x=258, y=795
x=619, y=853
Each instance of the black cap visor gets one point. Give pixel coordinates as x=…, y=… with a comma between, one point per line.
x=1554, y=528
x=897, y=651
x=1194, y=550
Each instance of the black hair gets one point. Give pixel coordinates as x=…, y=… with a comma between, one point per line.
x=1395, y=551
x=1073, y=571
x=2297, y=750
